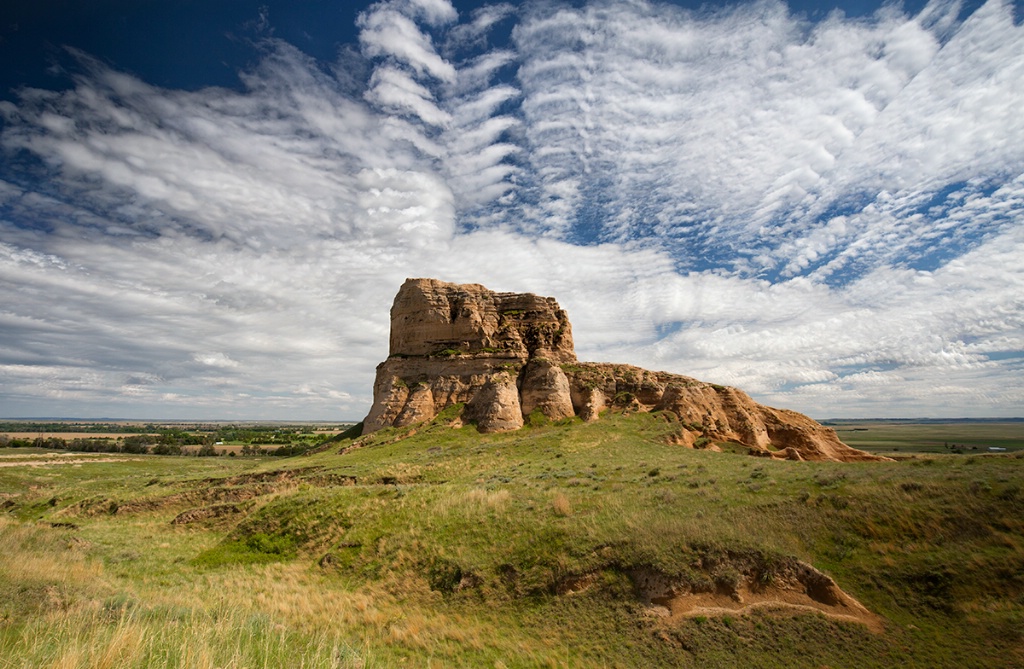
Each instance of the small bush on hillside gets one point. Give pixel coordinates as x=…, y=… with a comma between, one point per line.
x=537, y=419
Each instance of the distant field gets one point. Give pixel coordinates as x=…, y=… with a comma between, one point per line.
x=71, y=435
x=17, y=455
x=65, y=459
x=242, y=438
x=930, y=437
x=220, y=448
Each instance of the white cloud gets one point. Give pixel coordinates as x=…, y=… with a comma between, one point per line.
x=434, y=12
x=395, y=91
x=214, y=359
x=388, y=33
x=476, y=31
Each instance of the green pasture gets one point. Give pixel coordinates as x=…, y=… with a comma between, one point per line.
x=433, y=546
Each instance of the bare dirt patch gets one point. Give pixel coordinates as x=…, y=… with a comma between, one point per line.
x=774, y=600
x=739, y=585
x=206, y=513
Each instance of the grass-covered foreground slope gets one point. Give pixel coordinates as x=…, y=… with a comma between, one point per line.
x=577, y=545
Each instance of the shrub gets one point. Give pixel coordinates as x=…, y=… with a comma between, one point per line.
x=537, y=419
x=167, y=449
x=444, y=576
x=206, y=450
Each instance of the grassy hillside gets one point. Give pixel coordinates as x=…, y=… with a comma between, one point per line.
x=562, y=545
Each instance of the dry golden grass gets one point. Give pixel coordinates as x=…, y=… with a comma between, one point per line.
x=470, y=503
x=32, y=556
x=561, y=505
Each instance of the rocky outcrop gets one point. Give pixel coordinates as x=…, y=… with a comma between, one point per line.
x=496, y=353
x=707, y=412
x=506, y=357
x=434, y=319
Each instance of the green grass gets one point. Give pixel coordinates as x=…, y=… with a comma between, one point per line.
x=449, y=548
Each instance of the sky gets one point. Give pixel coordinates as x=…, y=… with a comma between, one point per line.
x=207, y=207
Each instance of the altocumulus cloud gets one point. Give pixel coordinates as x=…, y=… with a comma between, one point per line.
x=828, y=214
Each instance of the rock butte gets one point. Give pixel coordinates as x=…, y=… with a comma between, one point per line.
x=509, y=356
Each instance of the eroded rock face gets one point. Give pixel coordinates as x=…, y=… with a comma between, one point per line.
x=434, y=318
x=707, y=412
x=505, y=356
x=544, y=387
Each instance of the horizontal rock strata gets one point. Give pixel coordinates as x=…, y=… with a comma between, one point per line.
x=507, y=356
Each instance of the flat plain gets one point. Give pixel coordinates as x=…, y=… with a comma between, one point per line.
x=909, y=436
x=561, y=545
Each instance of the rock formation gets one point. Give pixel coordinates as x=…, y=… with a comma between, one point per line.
x=507, y=357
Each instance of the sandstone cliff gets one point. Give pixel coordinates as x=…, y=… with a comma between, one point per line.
x=507, y=356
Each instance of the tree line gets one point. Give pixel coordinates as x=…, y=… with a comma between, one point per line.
x=176, y=442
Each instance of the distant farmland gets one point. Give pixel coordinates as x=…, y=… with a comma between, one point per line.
x=895, y=436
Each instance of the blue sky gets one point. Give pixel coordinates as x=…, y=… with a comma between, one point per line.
x=207, y=207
